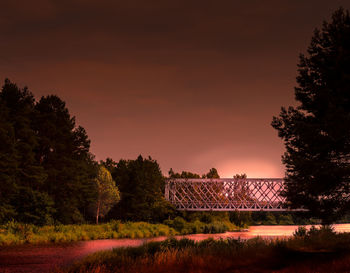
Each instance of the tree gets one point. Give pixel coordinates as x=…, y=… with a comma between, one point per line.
x=63, y=151
x=107, y=193
x=8, y=164
x=241, y=218
x=34, y=207
x=141, y=185
x=44, y=160
x=240, y=176
x=20, y=172
x=316, y=133
x=109, y=164
x=213, y=173
x=183, y=174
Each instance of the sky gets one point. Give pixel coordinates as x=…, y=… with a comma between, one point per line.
x=193, y=84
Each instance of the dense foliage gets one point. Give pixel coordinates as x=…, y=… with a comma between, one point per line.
x=317, y=132
x=141, y=185
x=49, y=176
x=46, y=169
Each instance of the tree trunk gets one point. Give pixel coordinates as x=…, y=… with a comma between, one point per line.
x=97, y=212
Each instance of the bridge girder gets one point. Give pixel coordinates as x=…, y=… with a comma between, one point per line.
x=225, y=194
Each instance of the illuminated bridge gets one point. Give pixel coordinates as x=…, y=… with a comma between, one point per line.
x=227, y=194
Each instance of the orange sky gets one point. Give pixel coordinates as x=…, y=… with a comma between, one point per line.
x=193, y=84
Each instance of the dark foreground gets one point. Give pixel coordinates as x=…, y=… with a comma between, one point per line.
x=315, y=251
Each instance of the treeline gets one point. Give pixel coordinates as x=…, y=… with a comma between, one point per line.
x=49, y=176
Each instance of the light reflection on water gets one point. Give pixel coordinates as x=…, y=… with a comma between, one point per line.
x=44, y=258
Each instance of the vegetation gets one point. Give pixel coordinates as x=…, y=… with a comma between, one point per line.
x=213, y=173
x=107, y=193
x=317, y=250
x=184, y=227
x=19, y=233
x=141, y=185
x=46, y=169
x=48, y=175
x=316, y=133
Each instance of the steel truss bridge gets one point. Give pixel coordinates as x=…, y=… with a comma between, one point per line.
x=248, y=194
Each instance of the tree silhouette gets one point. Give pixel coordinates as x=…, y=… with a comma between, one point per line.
x=141, y=186
x=316, y=133
x=63, y=152
x=21, y=176
x=46, y=169
x=213, y=173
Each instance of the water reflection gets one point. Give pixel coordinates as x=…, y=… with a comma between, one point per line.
x=31, y=258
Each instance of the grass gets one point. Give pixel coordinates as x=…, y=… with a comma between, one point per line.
x=317, y=250
x=18, y=233
x=215, y=226
x=14, y=233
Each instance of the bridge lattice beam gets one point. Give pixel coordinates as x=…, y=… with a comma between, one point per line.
x=249, y=194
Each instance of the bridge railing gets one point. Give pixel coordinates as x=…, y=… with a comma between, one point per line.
x=225, y=194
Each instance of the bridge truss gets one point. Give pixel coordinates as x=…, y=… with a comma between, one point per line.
x=249, y=194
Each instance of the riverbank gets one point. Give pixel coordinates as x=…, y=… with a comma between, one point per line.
x=317, y=250
x=14, y=233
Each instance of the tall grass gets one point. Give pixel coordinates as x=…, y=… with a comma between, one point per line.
x=317, y=250
x=18, y=233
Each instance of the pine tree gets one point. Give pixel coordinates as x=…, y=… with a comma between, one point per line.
x=316, y=133
x=63, y=151
x=20, y=172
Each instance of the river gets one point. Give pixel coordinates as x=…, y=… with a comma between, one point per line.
x=45, y=258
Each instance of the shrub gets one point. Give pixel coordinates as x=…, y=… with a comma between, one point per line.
x=179, y=224
x=270, y=219
x=300, y=232
x=286, y=220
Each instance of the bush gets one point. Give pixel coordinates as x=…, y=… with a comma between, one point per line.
x=286, y=220
x=183, y=227
x=300, y=232
x=179, y=224
x=270, y=219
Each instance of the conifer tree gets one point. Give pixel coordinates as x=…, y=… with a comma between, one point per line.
x=316, y=133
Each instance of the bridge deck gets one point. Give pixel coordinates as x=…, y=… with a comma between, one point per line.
x=253, y=194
